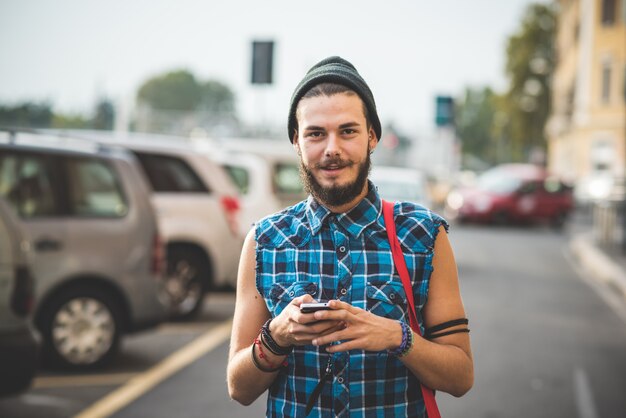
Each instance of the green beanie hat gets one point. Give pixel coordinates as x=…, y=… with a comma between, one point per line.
x=339, y=71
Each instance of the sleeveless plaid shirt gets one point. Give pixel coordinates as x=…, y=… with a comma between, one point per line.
x=308, y=249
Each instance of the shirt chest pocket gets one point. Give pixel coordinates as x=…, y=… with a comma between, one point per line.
x=281, y=294
x=386, y=299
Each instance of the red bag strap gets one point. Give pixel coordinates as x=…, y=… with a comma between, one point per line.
x=398, y=260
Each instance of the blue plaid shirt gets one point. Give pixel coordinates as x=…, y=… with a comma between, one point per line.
x=308, y=249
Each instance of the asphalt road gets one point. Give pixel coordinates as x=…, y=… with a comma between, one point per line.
x=545, y=343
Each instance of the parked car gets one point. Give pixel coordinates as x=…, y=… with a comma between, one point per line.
x=97, y=254
x=198, y=212
x=513, y=193
x=404, y=184
x=267, y=176
x=19, y=343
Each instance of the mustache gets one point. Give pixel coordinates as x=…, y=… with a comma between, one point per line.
x=333, y=163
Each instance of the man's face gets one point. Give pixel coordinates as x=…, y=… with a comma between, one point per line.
x=334, y=141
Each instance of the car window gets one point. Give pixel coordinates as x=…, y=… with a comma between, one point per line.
x=26, y=183
x=170, y=174
x=287, y=179
x=94, y=190
x=240, y=177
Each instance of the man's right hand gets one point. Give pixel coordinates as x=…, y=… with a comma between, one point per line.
x=292, y=327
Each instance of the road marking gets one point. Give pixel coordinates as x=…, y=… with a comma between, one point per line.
x=614, y=302
x=112, y=379
x=145, y=381
x=584, y=397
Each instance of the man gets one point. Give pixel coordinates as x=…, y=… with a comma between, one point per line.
x=358, y=358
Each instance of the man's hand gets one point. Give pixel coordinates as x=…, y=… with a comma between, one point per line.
x=360, y=329
x=292, y=327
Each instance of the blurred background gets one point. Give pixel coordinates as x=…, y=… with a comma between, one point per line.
x=139, y=141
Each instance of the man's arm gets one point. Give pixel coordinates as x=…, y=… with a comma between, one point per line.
x=245, y=381
x=442, y=364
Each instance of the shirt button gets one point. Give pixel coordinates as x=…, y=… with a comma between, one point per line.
x=392, y=296
x=340, y=379
x=342, y=249
x=343, y=291
x=292, y=293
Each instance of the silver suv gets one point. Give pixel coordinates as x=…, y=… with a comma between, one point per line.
x=19, y=345
x=198, y=212
x=97, y=254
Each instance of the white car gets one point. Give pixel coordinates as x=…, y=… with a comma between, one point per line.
x=267, y=174
x=197, y=208
x=403, y=184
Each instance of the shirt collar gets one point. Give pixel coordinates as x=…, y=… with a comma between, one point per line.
x=355, y=221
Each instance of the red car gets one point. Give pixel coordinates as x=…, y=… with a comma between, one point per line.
x=513, y=193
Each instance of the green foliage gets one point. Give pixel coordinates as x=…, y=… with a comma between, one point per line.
x=104, y=116
x=28, y=114
x=175, y=90
x=530, y=65
x=69, y=121
x=181, y=91
x=507, y=127
x=474, y=120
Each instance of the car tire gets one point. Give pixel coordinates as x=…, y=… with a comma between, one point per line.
x=558, y=221
x=81, y=328
x=187, y=281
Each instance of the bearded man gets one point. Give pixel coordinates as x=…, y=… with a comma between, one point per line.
x=356, y=356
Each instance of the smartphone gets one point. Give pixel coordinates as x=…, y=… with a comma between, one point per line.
x=313, y=307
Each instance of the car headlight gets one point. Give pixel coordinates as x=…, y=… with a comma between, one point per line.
x=455, y=200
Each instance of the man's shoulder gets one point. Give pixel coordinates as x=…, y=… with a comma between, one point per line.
x=288, y=227
x=417, y=224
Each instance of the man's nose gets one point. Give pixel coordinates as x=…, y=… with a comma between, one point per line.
x=333, y=145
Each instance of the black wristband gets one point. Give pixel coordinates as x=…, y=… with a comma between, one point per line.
x=258, y=365
x=268, y=341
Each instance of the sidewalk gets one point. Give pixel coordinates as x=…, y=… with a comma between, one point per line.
x=606, y=265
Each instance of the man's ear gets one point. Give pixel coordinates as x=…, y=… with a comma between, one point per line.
x=295, y=143
x=372, y=139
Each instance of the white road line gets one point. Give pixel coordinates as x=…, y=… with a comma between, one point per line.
x=142, y=383
x=584, y=398
x=615, y=302
x=112, y=379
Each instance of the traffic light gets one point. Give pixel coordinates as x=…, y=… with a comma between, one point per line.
x=262, y=62
x=444, y=111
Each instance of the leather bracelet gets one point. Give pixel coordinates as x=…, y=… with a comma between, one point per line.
x=271, y=344
x=258, y=365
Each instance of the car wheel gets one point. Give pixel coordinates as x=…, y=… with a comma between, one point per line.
x=558, y=221
x=501, y=218
x=81, y=328
x=186, y=282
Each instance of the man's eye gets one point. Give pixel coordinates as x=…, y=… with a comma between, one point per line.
x=348, y=131
x=314, y=134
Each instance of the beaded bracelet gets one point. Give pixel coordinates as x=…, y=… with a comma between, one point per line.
x=273, y=368
x=270, y=343
x=407, y=342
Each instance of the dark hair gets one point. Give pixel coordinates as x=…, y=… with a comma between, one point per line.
x=328, y=90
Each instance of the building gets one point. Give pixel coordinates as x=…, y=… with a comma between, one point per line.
x=587, y=128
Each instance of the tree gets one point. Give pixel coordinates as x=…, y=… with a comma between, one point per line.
x=474, y=118
x=529, y=67
x=175, y=90
x=27, y=114
x=217, y=97
x=104, y=116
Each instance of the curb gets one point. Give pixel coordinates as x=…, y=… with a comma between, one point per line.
x=600, y=265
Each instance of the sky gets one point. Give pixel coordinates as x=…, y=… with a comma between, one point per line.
x=70, y=52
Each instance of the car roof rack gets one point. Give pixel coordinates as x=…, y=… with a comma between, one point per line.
x=55, y=139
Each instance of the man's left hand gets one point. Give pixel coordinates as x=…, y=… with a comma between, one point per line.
x=362, y=331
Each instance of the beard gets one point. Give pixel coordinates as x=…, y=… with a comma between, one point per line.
x=336, y=195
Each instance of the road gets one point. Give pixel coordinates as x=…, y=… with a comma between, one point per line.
x=545, y=342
